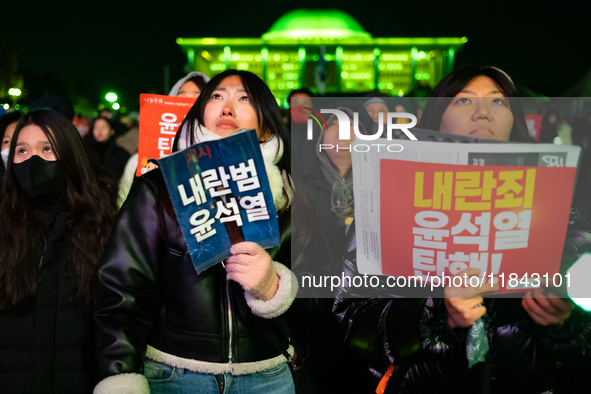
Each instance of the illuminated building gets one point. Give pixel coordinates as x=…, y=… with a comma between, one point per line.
x=290, y=55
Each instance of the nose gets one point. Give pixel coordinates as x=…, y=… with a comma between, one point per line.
x=481, y=110
x=228, y=109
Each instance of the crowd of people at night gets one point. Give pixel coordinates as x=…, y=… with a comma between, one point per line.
x=98, y=290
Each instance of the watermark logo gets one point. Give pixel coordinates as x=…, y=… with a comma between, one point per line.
x=345, y=129
x=316, y=116
x=553, y=161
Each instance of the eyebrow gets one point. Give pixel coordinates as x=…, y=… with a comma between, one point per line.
x=489, y=93
x=42, y=142
x=225, y=89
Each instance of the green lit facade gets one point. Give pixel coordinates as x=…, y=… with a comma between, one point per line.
x=287, y=55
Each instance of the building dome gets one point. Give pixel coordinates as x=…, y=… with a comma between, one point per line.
x=305, y=24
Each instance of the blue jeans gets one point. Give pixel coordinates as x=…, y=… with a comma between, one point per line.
x=164, y=379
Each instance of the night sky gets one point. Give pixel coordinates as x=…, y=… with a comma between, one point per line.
x=82, y=49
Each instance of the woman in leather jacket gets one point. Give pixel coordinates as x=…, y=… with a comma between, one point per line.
x=425, y=339
x=163, y=327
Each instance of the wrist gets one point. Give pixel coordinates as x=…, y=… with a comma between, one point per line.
x=272, y=289
x=281, y=301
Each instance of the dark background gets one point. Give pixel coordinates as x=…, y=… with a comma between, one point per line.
x=84, y=49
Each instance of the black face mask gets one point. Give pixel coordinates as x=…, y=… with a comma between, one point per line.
x=42, y=181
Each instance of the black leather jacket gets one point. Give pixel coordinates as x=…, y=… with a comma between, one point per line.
x=412, y=333
x=150, y=294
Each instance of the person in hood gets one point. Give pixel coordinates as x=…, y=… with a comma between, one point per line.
x=56, y=213
x=163, y=327
x=335, y=164
x=190, y=86
x=325, y=168
x=327, y=180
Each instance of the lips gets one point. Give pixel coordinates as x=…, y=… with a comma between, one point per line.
x=227, y=124
x=482, y=130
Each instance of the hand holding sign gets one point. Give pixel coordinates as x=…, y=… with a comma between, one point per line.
x=546, y=310
x=221, y=196
x=251, y=266
x=462, y=303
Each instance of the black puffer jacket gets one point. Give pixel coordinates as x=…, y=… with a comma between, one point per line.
x=412, y=334
x=150, y=294
x=50, y=347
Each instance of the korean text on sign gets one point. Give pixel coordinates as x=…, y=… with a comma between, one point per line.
x=509, y=195
x=227, y=208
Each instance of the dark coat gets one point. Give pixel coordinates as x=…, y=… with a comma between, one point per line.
x=150, y=294
x=412, y=333
x=109, y=155
x=48, y=348
x=332, y=366
x=323, y=253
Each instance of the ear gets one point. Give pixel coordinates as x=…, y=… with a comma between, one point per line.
x=265, y=136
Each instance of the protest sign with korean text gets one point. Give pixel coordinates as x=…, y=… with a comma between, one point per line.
x=507, y=221
x=221, y=196
x=370, y=200
x=160, y=118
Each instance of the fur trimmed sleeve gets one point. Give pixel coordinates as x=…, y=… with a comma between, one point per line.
x=124, y=383
x=282, y=300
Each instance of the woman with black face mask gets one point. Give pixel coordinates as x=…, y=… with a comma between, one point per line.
x=56, y=214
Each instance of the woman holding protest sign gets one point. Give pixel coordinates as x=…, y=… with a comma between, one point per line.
x=457, y=340
x=56, y=213
x=163, y=327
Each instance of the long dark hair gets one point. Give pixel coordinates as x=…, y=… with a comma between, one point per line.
x=456, y=81
x=89, y=139
x=88, y=203
x=198, y=80
x=8, y=119
x=263, y=103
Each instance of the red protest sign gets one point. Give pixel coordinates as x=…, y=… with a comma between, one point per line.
x=508, y=221
x=534, y=125
x=160, y=118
